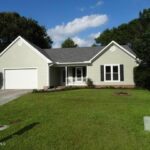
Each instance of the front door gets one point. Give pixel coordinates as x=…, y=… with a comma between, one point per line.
x=79, y=74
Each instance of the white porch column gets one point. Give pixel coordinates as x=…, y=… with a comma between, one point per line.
x=86, y=77
x=66, y=73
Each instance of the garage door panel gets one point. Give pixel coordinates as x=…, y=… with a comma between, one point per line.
x=21, y=79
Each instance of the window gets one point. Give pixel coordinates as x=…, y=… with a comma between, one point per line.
x=111, y=72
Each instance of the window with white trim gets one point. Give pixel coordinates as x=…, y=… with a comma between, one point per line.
x=112, y=72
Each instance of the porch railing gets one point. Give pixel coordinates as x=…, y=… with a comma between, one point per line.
x=74, y=80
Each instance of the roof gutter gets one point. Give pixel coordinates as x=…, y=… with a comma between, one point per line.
x=50, y=65
x=72, y=63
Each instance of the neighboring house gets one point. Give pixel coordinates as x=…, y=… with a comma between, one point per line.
x=26, y=66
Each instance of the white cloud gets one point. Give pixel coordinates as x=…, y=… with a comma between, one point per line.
x=77, y=25
x=97, y=4
x=95, y=35
x=86, y=42
x=71, y=29
x=82, y=42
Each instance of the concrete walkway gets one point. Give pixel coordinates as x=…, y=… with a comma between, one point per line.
x=9, y=95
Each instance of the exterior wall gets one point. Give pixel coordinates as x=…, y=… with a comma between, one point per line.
x=20, y=55
x=114, y=55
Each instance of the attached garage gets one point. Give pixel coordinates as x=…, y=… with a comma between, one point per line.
x=20, y=78
x=24, y=66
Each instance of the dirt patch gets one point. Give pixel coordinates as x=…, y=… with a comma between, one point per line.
x=15, y=121
x=122, y=94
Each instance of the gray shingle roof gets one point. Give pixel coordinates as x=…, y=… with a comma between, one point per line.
x=63, y=55
x=79, y=54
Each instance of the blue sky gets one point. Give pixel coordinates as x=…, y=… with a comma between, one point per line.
x=81, y=20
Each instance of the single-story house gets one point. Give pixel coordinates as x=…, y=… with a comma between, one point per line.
x=24, y=65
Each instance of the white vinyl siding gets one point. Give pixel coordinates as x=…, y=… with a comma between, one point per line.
x=117, y=56
x=22, y=56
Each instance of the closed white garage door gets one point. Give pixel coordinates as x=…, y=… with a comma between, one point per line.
x=21, y=79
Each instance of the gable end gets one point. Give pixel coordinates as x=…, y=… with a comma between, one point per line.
x=28, y=44
x=106, y=48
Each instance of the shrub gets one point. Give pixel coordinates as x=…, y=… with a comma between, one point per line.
x=35, y=91
x=142, y=77
x=39, y=91
x=89, y=83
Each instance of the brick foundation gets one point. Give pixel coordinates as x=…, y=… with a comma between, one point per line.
x=115, y=86
x=108, y=86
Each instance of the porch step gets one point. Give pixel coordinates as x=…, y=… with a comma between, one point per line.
x=60, y=87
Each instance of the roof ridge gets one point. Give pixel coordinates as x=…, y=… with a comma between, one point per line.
x=74, y=48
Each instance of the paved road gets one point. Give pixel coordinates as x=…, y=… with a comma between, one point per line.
x=9, y=95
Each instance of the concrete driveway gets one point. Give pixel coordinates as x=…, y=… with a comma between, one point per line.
x=9, y=95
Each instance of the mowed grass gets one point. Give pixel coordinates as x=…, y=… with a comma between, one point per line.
x=86, y=119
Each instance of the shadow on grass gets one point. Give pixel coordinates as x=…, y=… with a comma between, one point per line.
x=19, y=132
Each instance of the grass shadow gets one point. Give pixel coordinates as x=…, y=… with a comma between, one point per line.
x=20, y=132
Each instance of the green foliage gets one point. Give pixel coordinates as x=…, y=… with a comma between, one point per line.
x=68, y=43
x=13, y=25
x=136, y=33
x=89, y=83
x=142, y=46
x=142, y=77
x=94, y=45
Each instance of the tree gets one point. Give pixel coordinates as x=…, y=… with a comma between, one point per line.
x=142, y=46
x=13, y=25
x=94, y=45
x=136, y=32
x=68, y=43
x=123, y=34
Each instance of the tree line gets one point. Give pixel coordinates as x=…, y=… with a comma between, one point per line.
x=136, y=34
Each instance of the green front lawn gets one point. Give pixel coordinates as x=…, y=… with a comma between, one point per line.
x=87, y=119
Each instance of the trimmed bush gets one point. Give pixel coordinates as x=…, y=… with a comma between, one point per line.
x=90, y=83
x=142, y=77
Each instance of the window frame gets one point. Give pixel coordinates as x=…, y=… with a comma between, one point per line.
x=111, y=72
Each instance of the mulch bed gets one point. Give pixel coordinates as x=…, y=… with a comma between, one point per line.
x=15, y=121
x=122, y=94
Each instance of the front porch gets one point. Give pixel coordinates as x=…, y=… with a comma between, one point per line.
x=68, y=76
